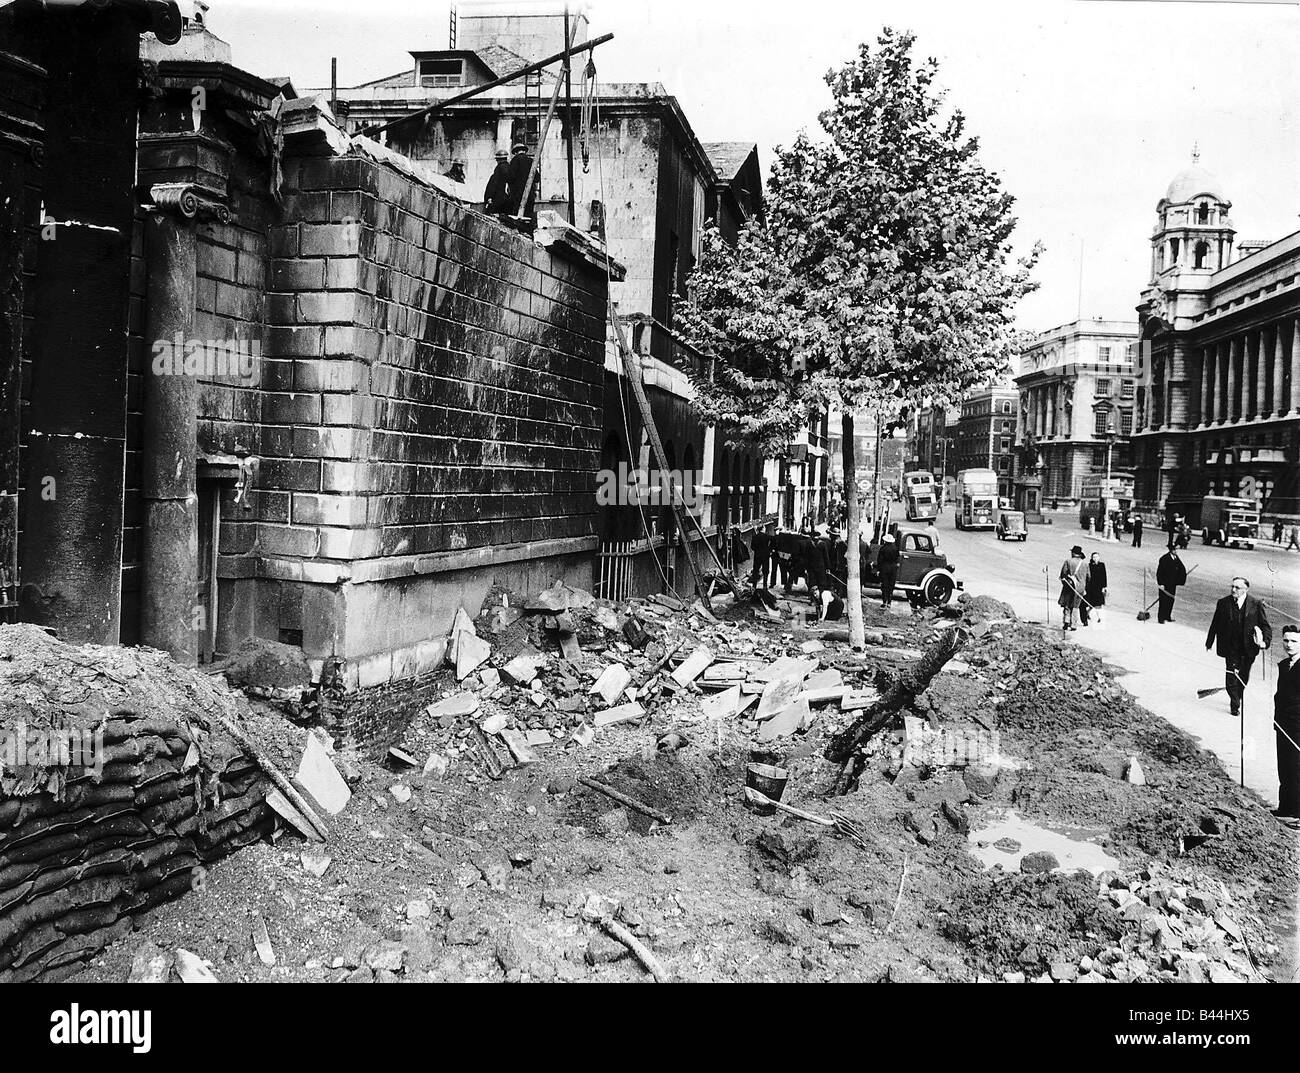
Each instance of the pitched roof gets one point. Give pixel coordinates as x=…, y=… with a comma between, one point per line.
x=728, y=158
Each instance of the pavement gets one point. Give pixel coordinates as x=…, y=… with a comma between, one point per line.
x=1162, y=665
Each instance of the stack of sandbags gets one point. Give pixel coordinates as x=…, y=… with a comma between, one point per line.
x=154, y=790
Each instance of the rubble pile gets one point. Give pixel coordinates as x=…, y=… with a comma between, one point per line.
x=553, y=673
x=117, y=784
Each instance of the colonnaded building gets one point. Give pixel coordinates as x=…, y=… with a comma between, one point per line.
x=1218, y=396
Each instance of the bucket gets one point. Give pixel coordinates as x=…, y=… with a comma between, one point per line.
x=768, y=780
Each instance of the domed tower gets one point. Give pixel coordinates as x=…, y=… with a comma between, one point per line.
x=1193, y=233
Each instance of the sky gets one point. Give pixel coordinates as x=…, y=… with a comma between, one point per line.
x=1085, y=108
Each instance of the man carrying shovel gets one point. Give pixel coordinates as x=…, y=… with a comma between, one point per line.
x=1286, y=721
x=1170, y=573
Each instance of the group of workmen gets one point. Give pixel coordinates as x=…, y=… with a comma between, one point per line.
x=505, y=189
x=819, y=556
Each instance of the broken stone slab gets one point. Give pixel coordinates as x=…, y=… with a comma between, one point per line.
x=315, y=861
x=471, y=653
x=824, y=679
x=1221, y=975
x=401, y=794
x=778, y=695
x=1063, y=971
x=584, y=735
x=150, y=965
x=728, y=673
x=462, y=704
x=554, y=599
x=262, y=941
x=613, y=680
x=280, y=805
x=519, y=747
x=812, y=646
x=722, y=705
x=521, y=670
x=606, y=618
x=858, y=700
x=794, y=717
x=437, y=764
x=822, y=696
x=570, y=649
x=192, y=969
x=321, y=779
x=785, y=667
x=622, y=714
x=670, y=602
x=692, y=666
x=402, y=756
x=386, y=954
x=538, y=737
x=462, y=623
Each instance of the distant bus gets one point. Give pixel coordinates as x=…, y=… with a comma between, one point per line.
x=974, y=499
x=920, y=496
x=1099, y=502
x=918, y=480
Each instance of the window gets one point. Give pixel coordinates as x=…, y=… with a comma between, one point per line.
x=1103, y=383
x=1103, y=354
x=1099, y=424
x=1202, y=255
x=1126, y=422
x=1173, y=251
x=1006, y=406
x=1006, y=426
x=1202, y=214
x=1006, y=443
x=918, y=542
x=434, y=73
x=1126, y=390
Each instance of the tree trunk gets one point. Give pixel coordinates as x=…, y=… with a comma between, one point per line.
x=853, y=556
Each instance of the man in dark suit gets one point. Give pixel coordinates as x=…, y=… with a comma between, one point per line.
x=1240, y=628
x=496, y=198
x=762, y=546
x=1170, y=573
x=1286, y=719
x=521, y=166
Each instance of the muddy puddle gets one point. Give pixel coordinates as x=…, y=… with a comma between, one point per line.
x=1007, y=837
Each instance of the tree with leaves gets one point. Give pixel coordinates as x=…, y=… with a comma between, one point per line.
x=886, y=267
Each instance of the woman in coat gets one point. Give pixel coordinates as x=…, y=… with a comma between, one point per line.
x=1074, y=578
x=1094, y=590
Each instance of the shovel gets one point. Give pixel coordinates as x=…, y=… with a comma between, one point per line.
x=1145, y=614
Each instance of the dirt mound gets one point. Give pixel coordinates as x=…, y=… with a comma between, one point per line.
x=975, y=608
x=1024, y=923
x=673, y=783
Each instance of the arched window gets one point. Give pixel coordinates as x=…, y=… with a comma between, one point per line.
x=1173, y=251
x=1202, y=254
x=1203, y=213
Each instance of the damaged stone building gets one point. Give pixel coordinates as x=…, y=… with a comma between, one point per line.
x=262, y=378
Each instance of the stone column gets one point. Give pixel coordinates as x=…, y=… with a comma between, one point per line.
x=1234, y=381
x=1223, y=364
x=1293, y=404
x=1261, y=374
x=1207, y=385
x=168, y=490
x=1279, y=407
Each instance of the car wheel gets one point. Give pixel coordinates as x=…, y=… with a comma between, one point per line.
x=939, y=590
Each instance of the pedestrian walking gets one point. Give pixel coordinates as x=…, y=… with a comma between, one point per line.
x=1294, y=538
x=887, y=567
x=786, y=543
x=1117, y=525
x=1277, y=531
x=1175, y=528
x=1074, y=579
x=1286, y=722
x=1137, y=530
x=815, y=569
x=1094, y=591
x=1238, y=631
x=1170, y=573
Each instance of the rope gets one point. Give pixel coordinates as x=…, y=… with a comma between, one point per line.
x=588, y=93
